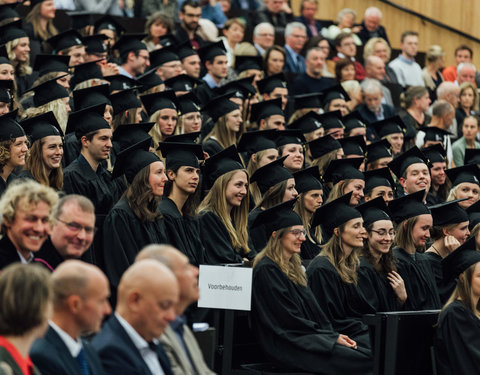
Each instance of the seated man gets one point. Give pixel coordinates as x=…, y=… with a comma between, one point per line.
x=308, y=11
x=147, y=297
x=263, y=37
x=312, y=80
x=275, y=13
x=346, y=48
x=371, y=27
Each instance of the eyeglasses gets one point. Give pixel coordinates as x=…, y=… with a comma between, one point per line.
x=298, y=232
x=384, y=233
x=76, y=228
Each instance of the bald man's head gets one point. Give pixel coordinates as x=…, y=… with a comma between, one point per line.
x=375, y=67
x=147, y=297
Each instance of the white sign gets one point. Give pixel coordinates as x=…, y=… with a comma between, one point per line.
x=225, y=287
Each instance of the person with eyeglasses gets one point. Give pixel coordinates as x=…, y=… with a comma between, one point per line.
x=72, y=231
x=292, y=327
x=134, y=56
x=378, y=277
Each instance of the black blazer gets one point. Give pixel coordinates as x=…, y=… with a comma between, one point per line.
x=118, y=353
x=52, y=357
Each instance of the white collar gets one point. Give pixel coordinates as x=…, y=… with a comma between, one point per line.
x=74, y=346
x=23, y=260
x=139, y=342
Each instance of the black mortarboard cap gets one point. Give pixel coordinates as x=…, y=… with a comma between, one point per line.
x=184, y=138
x=408, y=206
x=435, y=153
x=378, y=177
x=374, y=210
x=255, y=141
x=312, y=100
x=51, y=63
x=323, y=145
x=187, y=103
x=211, y=50
x=223, y=162
x=48, y=91
x=7, y=11
x=162, y=56
x=159, y=100
x=41, y=126
x=107, y=22
x=353, y=120
x=307, y=123
x=84, y=72
x=271, y=174
x=332, y=120
x=120, y=82
x=130, y=42
x=79, y=20
x=220, y=106
x=185, y=49
x=243, y=63
x=353, y=145
x=4, y=55
x=11, y=31
x=460, y=260
x=91, y=96
x=124, y=100
x=343, y=169
x=400, y=164
x=65, y=40
x=270, y=83
x=6, y=85
x=472, y=156
x=35, y=2
x=448, y=213
x=242, y=88
x=334, y=92
x=148, y=80
x=378, y=150
x=87, y=120
x=126, y=135
x=181, y=154
x=182, y=82
x=473, y=212
x=133, y=159
x=335, y=213
x=9, y=127
x=95, y=43
x=466, y=173
x=389, y=126
x=307, y=179
x=434, y=134
x=265, y=109
x=278, y=217
x=286, y=137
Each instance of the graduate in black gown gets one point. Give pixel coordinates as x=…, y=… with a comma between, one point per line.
x=457, y=341
x=224, y=211
x=135, y=220
x=474, y=222
x=449, y=231
x=378, y=155
x=379, y=183
x=292, y=328
x=344, y=177
x=333, y=274
x=438, y=192
x=290, y=144
x=377, y=274
x=310, y=190
x=412, y=224
x=182, y=196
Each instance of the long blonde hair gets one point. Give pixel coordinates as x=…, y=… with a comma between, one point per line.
x=323, y=161
x=236, y=221
x=33, y=17
x=292, y=268
x=36, y=166
x=252, y=167
x=223, y=134
x=403, y=236
x=155, y=132
x=338, y=190
x=58, y=108
x=22, y=68
x=307, y=219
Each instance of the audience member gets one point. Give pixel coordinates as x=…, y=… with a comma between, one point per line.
x=308, y=11
x=406, y=69
x=380, y=48
x=468, y=103
x=371, y=27
x=373, y=109
x=432, y=76
x=295, y=38
x=375, y=68
x=274, y=61
x=346, y=48
x=312, y=80
x=463, y=54
x=345, y=24
x=276, y=14
x=470, y=128
x=465, y=73
x=263, y=37
x=189, y=15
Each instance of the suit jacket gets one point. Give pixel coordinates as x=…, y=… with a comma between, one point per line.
x=52, y=357
x=365, y=35
x=118, y=353
x=291, y=65
x=319, y=25
x=178, y=358
x=8, y=366
x=279, y=20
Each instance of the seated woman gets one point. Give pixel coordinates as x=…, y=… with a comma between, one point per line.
x=311, y=128
x=465, y=182
x=135, y=220
x=224, y=211
x=344, y=177
x=346, y=24
x=333, y=274
x=291, y=326
x=323, y=151
x=189, y=117
x=449, y=231
x=378, y=155
x=310, y=190
x=181, y=198
x=439, y=187
x=458, y=330
x=379, y=183
x=393, y=130
x=290, y=144
x=378, y=278
x=470, y=128
x=413, y=222
x=468, y=105
x=39, y=24
x=415, y=103
x=44, y=160
x=354, y=125
x=158, y=24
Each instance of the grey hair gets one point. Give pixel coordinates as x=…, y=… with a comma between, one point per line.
x=371, y=86
x=373, y=11
x=262, y=25
x=345, y=11
x=465, y=65
x=294, y=25
x=441, y=108
x=445, y=88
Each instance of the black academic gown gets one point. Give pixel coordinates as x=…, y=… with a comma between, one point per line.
x=445, y=287
x=419, y=281
x=4, y=184
x=257, y=234
x=457, y=341
x=9, y=255
x=124, y=235
x=212, y=147
x=293, y=329
x=48, y=253
x=344, y=304
x=183, y=232
x=309, y=249
x=71, y=149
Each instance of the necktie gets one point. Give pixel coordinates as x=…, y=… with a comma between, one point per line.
x=82, y=362
x=180, y=331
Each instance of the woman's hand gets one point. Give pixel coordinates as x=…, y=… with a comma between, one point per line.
x=398, y=286
x=451, y=243
x=346, y=341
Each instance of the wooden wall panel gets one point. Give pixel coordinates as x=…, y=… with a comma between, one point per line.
x=457, y=14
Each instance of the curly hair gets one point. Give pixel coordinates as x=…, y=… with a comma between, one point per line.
x=5, y=152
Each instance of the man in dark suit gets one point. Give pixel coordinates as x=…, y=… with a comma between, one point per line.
x=127, y=344
x=80, y=302
x=308, y=10
x=371, y=27
x=274, y=13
